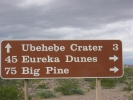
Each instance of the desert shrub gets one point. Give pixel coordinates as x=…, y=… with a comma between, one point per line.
x=68, y=87
x=129, y=86
x=121, y=80
x=77, y=91
x=128, y=72
x=88, y=89
x=92, y=85
x=86, y=79
x=44, y=93
x=92, y=82
x=11, y=89
x=43, y=86
x=11, y=82
x=10, y=93
x=105, y=83
x=112, y=82
x=29, y=97
x=31, y=82
x=90, y=79
x=108, y=83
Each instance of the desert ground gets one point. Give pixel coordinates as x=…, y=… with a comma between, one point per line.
x=106, y=94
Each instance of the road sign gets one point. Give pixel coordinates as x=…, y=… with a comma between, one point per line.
x=29, y=59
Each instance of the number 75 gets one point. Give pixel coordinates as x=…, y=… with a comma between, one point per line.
x=11, y=70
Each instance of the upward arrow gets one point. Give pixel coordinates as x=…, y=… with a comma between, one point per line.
x=8, y=46
x=113, y=58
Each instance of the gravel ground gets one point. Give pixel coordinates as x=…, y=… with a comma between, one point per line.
x=112, y=94
x=106, y=94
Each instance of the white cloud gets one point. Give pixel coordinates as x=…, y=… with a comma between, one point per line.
x=68, y=19
x=119, y=30
x=30, y=3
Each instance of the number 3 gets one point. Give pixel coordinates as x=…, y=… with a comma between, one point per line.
x=115, y=47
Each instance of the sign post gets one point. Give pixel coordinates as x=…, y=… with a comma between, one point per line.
x=26, y=89
x=38, y=59
x=98, y=89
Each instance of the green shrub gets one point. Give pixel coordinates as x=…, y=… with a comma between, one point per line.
x=43, y=86
x=10, y=93
x=68, y=87
x=92, y=85
x=90, y=79
x=31, y=82
x=88, y=89
x=77, y=91
x=128, y=72
x=29, y=97
x=11, y=82
x=11, y=89
x=129, y=86
x=108, y=83
x=105, y=83
x=44, y=93
x=121, y=80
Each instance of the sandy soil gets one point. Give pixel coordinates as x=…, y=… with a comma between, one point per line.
x=106, y=94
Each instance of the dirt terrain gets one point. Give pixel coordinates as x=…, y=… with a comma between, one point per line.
x=106, y=94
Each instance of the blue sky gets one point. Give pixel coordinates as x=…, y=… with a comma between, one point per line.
x=69, y=19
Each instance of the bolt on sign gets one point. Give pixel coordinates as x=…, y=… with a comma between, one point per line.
x=29, y=59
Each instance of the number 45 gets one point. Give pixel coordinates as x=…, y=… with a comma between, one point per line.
x=12, y=59
x=10, y=69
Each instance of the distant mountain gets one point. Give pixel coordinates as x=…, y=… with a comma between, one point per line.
x=128, y=66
